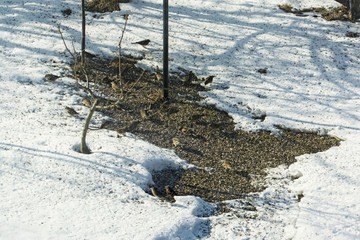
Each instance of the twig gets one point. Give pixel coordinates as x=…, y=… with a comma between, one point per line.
x=137, y=80
x=62, y=37
x=126, y=17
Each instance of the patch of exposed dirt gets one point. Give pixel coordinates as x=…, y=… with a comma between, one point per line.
x=103, y=6
x=339, y=13
x=228, y=161
x=352, y=35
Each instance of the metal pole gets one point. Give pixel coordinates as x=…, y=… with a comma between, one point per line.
x=166, y=49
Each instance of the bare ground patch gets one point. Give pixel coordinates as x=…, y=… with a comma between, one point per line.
x=228, y=161
x=330, y=14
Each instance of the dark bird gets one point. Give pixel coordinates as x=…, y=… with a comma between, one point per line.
x=105, y=124
x=191, y=77
x=71, y=111
x=262, y=70
x=209, y=80
x=51, y=77
x=143, y=42
x=89, y=55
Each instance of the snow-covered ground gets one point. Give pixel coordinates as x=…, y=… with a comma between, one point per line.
x=50, y=191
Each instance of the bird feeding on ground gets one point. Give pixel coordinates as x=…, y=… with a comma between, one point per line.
x=71, y=111
x=143, y=42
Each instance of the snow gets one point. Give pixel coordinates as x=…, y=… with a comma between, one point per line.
x=50, y=191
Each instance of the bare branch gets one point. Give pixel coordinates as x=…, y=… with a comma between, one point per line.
x=66, y=47
x=137, y=80
x=126, y=17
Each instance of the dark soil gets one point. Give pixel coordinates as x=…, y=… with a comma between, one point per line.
x=228, y=161
x=102, y=6
x=339, y=13
x=202, y=135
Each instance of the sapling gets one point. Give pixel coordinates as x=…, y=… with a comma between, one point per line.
x=95, y=98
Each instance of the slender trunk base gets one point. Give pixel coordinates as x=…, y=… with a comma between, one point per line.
x=83, y=147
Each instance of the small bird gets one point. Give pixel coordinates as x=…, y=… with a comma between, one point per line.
x=209, y=80
x=89, y=55
x=191, y=77
x=87, y=102
x=51, y=77
x=226, y=165
x=175, y=142
x=71, y=111
x=262, y=70
x=143, y=42
x=115, y=86
x=105, y=124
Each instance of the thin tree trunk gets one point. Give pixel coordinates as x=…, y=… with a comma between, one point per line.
x=166, y=49
x=354, y=9
x=83, y=147
x=83, y=32
x=126, y=17
x=353, y=6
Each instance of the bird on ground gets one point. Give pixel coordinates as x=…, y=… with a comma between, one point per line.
x=191, y=77
x=143, y=42
x=115, y=86
x=89, y=55
x=105, y=124
x=262, y=70
x=209, y=80
x=87, y=102
x=71, y=111
x=51, y=77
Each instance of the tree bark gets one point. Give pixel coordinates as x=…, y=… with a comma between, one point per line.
x=166, y=49
x=83, y=32
x=83, y=147
x=354, y=10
